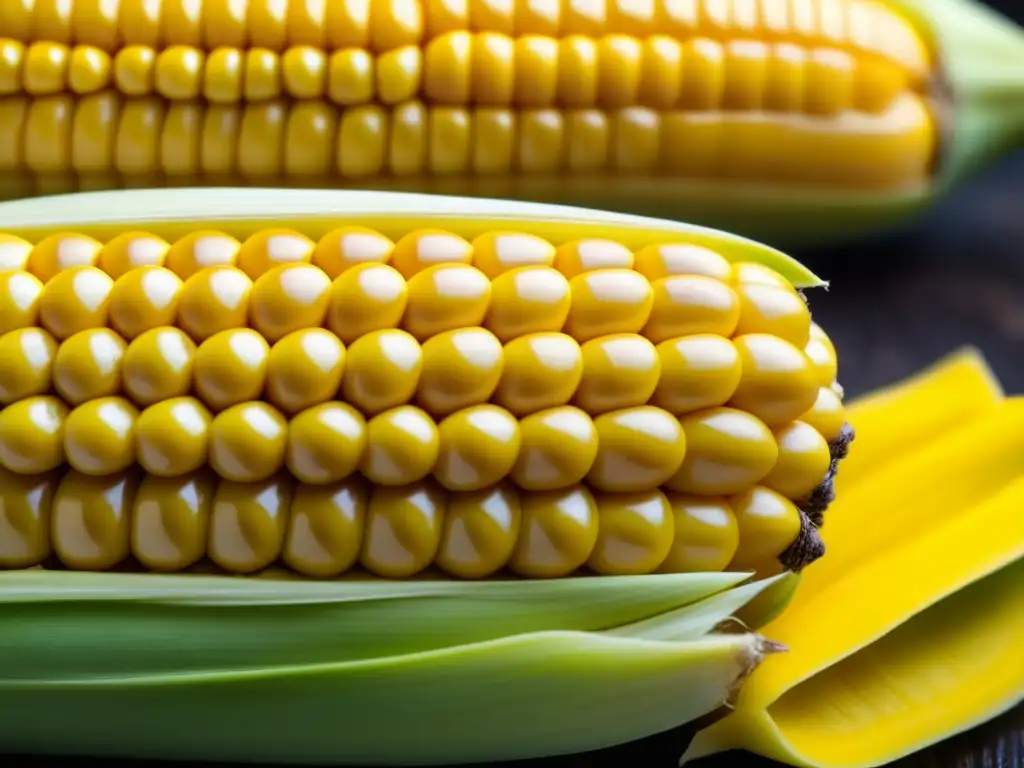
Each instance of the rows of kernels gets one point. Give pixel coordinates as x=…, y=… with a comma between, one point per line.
x=484, y=69
x=169, y=524
x=54, y=143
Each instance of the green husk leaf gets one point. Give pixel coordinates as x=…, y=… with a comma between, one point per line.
x=532, y=695
x=98, y=624
x=770, y=603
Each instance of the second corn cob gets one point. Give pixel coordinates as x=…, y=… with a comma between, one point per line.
x=511, y=397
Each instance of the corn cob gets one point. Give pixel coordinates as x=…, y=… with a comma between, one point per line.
x=775, y=117
x=503, y=401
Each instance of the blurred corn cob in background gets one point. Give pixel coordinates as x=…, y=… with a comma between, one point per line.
x=785, y=119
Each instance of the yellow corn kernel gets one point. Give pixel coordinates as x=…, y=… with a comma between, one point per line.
x=20, y=293
x=87, y=365
x=144, y=298
x=91, y=518
x=822, y=354
x=304, y=369
x=635, y=532
x=638, y=449
x=525, y=300
x=32, y=435
x=768, y=523
x=444, y=298
x=75, y=300
x=326, y=443
x=248, y=442
x=558, y=533
x=402, y=447
x=481, y=529
x=619, y=371
x=60, y=252
x=403, y=529
x=230, y=367
x=542, y=370
x=170, y=520
x=99, y=436
x=478, y=448
x=557, y=449
x=14, y=253
x=496, y=253
x=727, y=451
x=248, y=522
x=131, y=250
x=171, y=437
x=696, y=372
x=366, y=298
x=684, y=305
x=199, y=250
x=271, y=248
x=773, y=310
x=382, y=371
x=26, y=502
x=802, y=464
x=325, y=527
x=212, y=300
x=288, y=298
x=706, y=535
x=778, y=383
x=460, y=368
x=348, y=247
x=575, y=258
x=608, y=301
x=827, y=415
x=27, y=370
x=659, y=261
x=157, y=366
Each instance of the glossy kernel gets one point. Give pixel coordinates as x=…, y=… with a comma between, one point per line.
x=87, y=365
x=20, y=294
x=14, y=253
x=172, y=436
x=579, y=256
x=32, y=435
x=402, y=447
x=366, y=298
x=74, y=300
x=248, y=442
x=803, y=461
x=557, y=448
x=478, y=447
x=326, y=443
x=60, y=252
x=608, y=301
x=249, y=522
x=201, y=250
x=288, y=298
x=526, y=300
x=382, y=371
x=697, y=372
x=170, y=520
x=542, y=370
x=481, y=529
x=338, y=251
x=827, y=415
x=91, y=520
x=304, y=369
x=638, y=449
x=727, y=451
x=752, y=273
x=778, y=383
x=427, y=248
x=403, y=529
x=685, y=305
x=158, y=366
x=143, y=299
x=557, y=535
x=496, y=253
x=26, y=502
x=212, y=300
x=635, y=532
x=619, y=371
x=131, y=250
x=444, y=298
x=230, y=367
x=271, y=248
x=822, y=354
x=27, y=369
x=659, y=261
x=706, y=535
x=99, y=436
x=325, y=532
x=460, y=368
x=773, y=310
x=768, y=523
